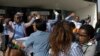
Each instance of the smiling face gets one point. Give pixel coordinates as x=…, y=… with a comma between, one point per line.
x=83, y=37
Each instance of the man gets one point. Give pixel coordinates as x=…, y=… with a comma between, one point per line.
x=39, y=39
x=18, y=27
x=75, y=19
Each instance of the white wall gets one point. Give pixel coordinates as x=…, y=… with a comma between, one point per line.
x=89, y=10
x=98, y=9
x=99, y=6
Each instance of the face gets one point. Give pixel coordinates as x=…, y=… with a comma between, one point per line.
x=83, y=37
x=29, y=18
x=76, y=18
x=17, y=19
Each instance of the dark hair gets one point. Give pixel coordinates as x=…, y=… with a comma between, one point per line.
x=97, y=24
x=1, y=28
x=90, y=31
x=40, y=24
x=72, y=25
x=61, y=38
x=83, y=22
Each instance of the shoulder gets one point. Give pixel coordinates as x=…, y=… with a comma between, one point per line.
x=75, y=45
x=39, y=33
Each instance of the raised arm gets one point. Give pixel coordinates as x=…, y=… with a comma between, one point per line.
x=29, y=23
x=69, y=17
x=56, y=18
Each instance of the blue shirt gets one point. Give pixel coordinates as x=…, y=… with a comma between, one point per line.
x=40, y=42
x=5, y=31
x=19, y=30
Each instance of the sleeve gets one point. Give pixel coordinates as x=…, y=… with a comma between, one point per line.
x=29, y=23
x=53, y=21
x=29, y=41
x=67, y=18
x=76, y=51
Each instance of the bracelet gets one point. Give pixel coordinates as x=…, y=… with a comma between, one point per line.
x=15, y=42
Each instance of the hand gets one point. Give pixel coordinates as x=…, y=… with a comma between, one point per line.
x=72, y=14
x=38, y=17
x=55, y=12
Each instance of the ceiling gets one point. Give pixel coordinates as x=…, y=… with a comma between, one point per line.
x=48, y=4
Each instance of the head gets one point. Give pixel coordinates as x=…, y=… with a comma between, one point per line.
x=39, y=24
x=19, y=13
x=35, y=14
x=17, y=18
x=6, y=20
x=72, y=25
x=88, y=19
x=29, y=18
x=60, y=37
x=77, y=19
x=82, y=21
x=86, y=33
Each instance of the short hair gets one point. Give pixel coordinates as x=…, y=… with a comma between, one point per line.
x=40, y=24
x=72, y=25
x=34, y=13
x=90, y=31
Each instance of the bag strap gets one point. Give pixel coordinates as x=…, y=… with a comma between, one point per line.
x=86, y=49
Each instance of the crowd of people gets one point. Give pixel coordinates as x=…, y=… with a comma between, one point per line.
x=57, y=37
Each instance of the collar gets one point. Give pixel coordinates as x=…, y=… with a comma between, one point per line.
x=90, y=43
x=16, y=23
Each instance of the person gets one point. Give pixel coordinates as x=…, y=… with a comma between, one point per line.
x=50, y=22
x=62, y=42
x=18, y=27
x=2, y=17
x=70, y=17
x=14, y=52
x=88, y=20
x=6, y=26
x=39, y=39
x=32, y=15
x=75, y=19
x=1, y=32
x=97, y=35
x=87, y=40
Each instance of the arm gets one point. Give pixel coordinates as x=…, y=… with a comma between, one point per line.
x=24, y=44
x=29, y=23
x=67, y=18
x=56, y=17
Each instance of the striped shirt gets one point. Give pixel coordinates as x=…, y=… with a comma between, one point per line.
x=75, y=50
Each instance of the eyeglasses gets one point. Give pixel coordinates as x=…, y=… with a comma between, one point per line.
x=82, y=35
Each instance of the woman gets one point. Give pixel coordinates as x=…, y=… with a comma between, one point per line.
x=61, y=41
x=86, y=39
